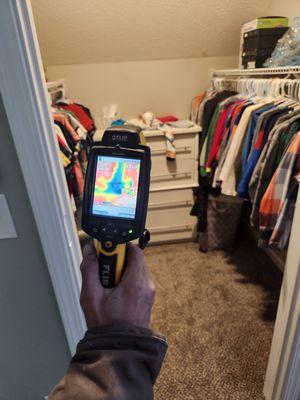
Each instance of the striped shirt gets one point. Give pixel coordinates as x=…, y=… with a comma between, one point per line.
x=278, y=200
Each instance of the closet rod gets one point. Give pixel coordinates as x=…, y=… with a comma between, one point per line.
x=54, y=85
x=256, y=71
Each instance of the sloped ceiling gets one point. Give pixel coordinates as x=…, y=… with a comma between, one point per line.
x=91, y=31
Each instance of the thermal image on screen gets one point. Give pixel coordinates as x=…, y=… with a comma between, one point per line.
x=116, y=187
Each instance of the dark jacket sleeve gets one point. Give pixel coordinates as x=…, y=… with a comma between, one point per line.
x=113, y=363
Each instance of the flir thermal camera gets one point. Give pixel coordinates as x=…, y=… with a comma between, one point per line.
x=115, y=198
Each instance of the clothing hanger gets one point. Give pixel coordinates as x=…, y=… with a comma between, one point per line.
x=251, y=90
x=291, y=97
x=279, y=91
x=264, y=92
x=297, y=94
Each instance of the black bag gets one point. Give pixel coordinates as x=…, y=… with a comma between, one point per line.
x=223, y=214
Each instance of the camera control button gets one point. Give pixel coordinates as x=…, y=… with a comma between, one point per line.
x=110, y=228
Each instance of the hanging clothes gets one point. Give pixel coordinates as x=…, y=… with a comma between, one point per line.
x=72, y=136
x=244, y=140
x=82, y=113
x=266, y=166
x=279, y=199
x=250, y=155
x=195, y=107
x=72, y=119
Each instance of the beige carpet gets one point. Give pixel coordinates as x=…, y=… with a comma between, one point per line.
x=217, y=311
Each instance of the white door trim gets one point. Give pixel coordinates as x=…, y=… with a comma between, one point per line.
x=23, y=88
x=282, y=378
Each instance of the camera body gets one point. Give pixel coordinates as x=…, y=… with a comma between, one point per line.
x=116, y=196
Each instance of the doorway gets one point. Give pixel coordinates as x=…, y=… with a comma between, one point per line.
x=27, y=106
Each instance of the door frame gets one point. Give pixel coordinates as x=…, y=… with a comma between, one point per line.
x=24, y=92
x=282, y=377
x=22, y=85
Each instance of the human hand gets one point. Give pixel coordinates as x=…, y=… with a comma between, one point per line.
x=130, y=302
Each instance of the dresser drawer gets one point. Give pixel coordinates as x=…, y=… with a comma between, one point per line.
x=169, y=198
x=173, y=174
x=169, y=217
x=185, y=144
x=186, y=233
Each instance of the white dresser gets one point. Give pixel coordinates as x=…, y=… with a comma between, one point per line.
x=171, y=196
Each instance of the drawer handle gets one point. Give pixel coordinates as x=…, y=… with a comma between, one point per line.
x=159, y=152
x=184, y=203
x=175, y=228
x=180, y=175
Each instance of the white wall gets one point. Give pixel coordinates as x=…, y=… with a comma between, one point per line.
x=286, y=8
x=97, y=31
x=164, y=86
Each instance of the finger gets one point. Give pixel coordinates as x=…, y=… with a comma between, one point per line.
x=135, y=265
x=90, y=270
x=88, y=249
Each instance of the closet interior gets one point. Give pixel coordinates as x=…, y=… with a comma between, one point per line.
x=224, y=186
x=205, y=152
x=216, y=187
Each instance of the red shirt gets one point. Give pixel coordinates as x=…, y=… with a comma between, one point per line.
x=218, y=135
x=82, y=116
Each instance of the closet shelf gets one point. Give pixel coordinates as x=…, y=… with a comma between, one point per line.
x=55, y=85
x=256, y=71
x=56, y=90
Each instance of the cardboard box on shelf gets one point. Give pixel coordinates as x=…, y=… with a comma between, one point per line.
x=261, y=31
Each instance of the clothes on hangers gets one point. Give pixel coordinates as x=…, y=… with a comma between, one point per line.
x=195, y=106
x=259, y=140
x=219, y=133
x=72, y=119
x=232, y=168
x=73, y=128
x=279, y=199
x=82, y=113
x=244, y=141
x=210, y=106
x=229, y=132
x=266, y=166
x=70, y=135
x=255, y=125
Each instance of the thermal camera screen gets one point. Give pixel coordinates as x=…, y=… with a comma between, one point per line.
x=116, y=187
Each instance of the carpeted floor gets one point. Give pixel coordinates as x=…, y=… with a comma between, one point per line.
x=217, y=311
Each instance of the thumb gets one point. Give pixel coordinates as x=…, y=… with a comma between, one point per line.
x=89, y=270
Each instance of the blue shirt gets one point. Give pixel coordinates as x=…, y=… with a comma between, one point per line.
x=253, y=157
x=250, y=133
